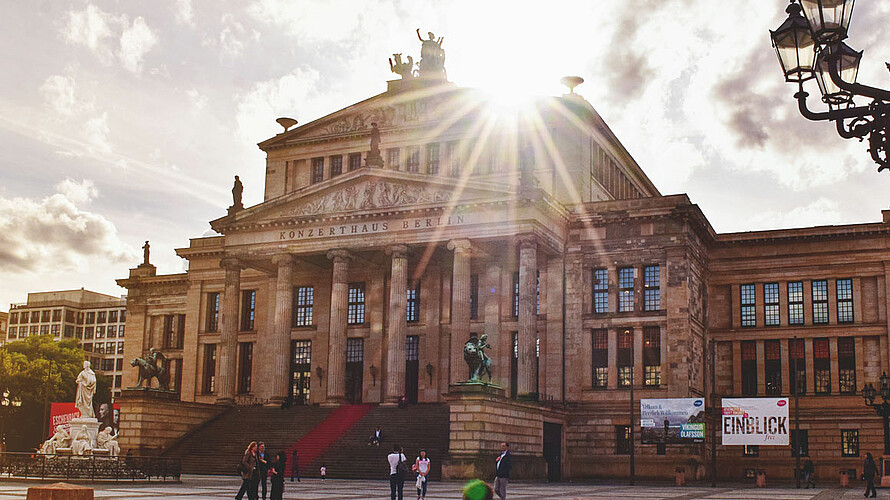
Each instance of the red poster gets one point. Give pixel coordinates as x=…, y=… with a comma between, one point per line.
x=61, y=414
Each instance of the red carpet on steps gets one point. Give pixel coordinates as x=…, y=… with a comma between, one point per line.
x=325, y=434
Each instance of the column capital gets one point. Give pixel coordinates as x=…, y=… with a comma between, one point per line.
x=340, y=255
x=282, y=259
x=397, y=251
x=460, y=246
x=230, y=264
x=527, y=240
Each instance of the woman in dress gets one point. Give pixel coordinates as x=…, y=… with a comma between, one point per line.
x=278, y=469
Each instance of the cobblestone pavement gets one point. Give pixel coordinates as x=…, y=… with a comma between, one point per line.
x=216, y=487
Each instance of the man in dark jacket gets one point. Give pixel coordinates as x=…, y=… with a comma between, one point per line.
x=504, y=463
x=262, y=468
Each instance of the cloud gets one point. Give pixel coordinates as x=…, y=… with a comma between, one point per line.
x=96, y=131
x=136, y=40
x=184, y=12
x=59, y=95
x=56, y=234
x=266, y=101
x=198, y=100
x=821, y=212
x=110, y=36
x=232, y=38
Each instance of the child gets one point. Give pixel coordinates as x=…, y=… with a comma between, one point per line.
x=324, y=470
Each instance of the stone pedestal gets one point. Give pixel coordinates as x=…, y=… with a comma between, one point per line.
x=152, y=420
x=60, y=491
x=90, y=423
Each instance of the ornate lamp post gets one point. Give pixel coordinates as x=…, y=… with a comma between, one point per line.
x=883, y=410
x=810, y=45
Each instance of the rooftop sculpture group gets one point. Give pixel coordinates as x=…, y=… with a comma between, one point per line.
x=432, y=60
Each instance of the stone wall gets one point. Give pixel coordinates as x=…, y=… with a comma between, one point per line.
x=151, y=421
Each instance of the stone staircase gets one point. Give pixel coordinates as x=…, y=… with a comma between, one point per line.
x=335, y=437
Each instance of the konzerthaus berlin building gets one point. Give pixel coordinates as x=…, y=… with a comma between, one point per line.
x=394, y=229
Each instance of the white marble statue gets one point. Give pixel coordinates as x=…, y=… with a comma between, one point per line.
x=107, y=440
x=81, y=444
x=86, y=387
x=61, y=439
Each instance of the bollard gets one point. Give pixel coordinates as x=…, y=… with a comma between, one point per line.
x=760, y=480
x=680, y=476
x=60, y=491
x=845, y=478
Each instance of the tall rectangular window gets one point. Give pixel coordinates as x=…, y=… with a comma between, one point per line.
x=800, y=442
x=454, y=158
x=392, y=157
x=248, y=309
x=515, y=304
x=844, y=300
x=412, y=305
x=474, y=296
x=749, y=368
x=773, y=366
x=625, y=357
x=412, y=348
x=57, y=315
x=795, y=303
x=413, y=161
x=600, y=291
x=651, y=288
x=102, y=317
x=846, y=364
x=355, y=350
x=355, y=161
x=317, y=170
x=174, y=331
x=336, y=165
x=625, y=289
x=820, y=302
x=600, y=358
x=771, y=304
x=112, y=317
x=304, y=299
x=797, y=366
x=850, y=442
x=623, y=438
x=432, y=158
x=355, y=313
x=208, y=385
x=821, y=366
x=245, y=366
x=652, y=356
x=44, y=316
x=748, y=309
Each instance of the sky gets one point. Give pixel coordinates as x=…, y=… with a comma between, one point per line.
x=125, y=121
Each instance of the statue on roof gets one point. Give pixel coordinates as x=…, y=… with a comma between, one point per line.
x=374, y=158
x=146, y=252
x=432, y=57
x=403, y=69
x=237, y=189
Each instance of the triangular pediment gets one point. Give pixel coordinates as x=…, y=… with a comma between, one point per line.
x=411, y=107
x=367, y=191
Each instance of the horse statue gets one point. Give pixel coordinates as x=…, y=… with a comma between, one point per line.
x=152, y=366
x=477, y=360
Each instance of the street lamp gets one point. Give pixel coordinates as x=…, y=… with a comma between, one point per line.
x=882, y=409
x=7, y=406
x=810, y=45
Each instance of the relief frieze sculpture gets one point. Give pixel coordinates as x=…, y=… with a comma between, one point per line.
x=371, y=195
x=385, y=116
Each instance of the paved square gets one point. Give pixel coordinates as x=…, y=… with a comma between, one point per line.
x=219, y=487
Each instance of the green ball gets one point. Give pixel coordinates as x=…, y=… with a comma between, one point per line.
x=477, y=490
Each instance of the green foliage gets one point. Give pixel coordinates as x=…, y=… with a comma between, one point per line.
x=36, y=370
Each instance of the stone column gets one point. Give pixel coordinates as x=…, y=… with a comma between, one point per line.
x=528, y=264
x=228, y=337
x=460, y=307
x=337, y=328
x=279, y=343
x=397, y=325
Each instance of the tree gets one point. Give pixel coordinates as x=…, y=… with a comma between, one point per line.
x=37, y=370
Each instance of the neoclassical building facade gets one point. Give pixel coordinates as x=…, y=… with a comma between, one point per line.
x=394, y=230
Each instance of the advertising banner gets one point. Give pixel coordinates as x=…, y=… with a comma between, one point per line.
x=61, y=414
x=672, y=421
x=760, y=421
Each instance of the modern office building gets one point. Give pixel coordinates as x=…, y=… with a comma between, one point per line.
x=95, y=319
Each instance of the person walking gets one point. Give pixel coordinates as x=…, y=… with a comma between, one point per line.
x=396, y=461
x=323, y=471
x=247, y=469
x=294, y=466
x=279, y=466
x=502, y=471
x=422, y=467
x=262, y=468
x=868, y=473
x=808, y=470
